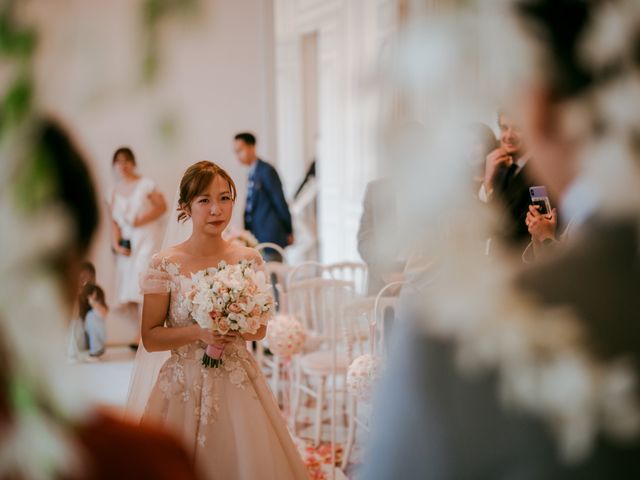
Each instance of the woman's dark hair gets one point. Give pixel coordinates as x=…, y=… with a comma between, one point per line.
x=559, y=27
x=88, y=267
x=83, y=300
x=71, y=181
x=54, y=172
x=127, y=152
x=246, y=137
x=198, y=177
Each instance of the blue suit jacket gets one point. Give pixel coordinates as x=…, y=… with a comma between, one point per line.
x=270, y=219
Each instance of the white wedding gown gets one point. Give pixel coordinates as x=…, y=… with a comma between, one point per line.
x=227, y=417
x=144, y=239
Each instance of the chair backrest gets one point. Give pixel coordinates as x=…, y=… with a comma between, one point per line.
x=355, y=272
x=305, y=271
x=273, y=246
x=277, y=273
x=358, y=318
x=318, y=304
x=379, y=327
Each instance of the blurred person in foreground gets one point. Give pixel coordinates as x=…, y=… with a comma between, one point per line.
x=47, y=428
x=542, y=384
x=379, y=243
x=379, y=215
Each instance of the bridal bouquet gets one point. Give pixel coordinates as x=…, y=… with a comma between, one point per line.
x=229, y=298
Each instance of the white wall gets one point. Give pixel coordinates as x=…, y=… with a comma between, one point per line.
x=216, y=79
x=351, y=34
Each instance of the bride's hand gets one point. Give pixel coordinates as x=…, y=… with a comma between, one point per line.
x=205, y=335
x=211, y=338
x=224, y=339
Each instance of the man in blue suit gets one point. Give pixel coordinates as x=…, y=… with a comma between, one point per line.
x=266, y=214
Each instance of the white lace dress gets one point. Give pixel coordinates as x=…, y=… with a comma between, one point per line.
x=145, y=240
x=227, y=416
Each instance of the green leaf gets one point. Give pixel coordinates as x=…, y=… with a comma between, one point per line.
x=36, y=182
x=22, y=397
x=16, y=102
x=15, y=41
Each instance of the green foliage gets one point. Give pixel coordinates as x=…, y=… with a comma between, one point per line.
x=16, y=102
x=17, y=47
x=36, y=181
x=15, y=41
x=153, y=13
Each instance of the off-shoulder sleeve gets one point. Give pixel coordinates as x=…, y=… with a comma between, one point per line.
x=156, y=279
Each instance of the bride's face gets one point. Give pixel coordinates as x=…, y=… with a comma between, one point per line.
x=211, y=210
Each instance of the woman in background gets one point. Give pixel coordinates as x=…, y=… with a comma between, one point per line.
x=136, y=206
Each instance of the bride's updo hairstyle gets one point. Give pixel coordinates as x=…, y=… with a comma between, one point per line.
x=196, y=179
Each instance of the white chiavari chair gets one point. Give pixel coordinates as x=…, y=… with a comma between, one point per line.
x=355, y=272
x=375, y=346
x=319, y=304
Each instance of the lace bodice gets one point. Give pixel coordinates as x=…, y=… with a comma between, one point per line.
x=163, y=276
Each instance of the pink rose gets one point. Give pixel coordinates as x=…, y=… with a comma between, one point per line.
x=223, y=326
x=215, y=314
x=235, y=308
x=256, y=311
x=252, y=289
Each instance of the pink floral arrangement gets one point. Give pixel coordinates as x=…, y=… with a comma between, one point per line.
x=229, y=298
x=240, y=237
x=362, y=376
x=286, y=336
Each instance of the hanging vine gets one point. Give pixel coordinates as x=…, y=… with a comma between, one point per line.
x=17, y=47
x=154, y=12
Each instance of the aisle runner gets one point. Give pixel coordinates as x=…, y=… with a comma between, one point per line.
x=318, y=460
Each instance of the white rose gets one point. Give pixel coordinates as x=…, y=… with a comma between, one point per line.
x=261, y=281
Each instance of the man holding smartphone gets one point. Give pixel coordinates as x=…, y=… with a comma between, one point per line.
x=507, y=179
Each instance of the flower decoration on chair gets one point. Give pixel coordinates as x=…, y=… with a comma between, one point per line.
x=363, y=374
x=286, y=336
x=240, y=237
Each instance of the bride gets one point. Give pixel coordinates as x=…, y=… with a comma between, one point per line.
x=227, y=416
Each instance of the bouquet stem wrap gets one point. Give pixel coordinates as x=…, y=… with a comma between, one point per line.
x=212, y=357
